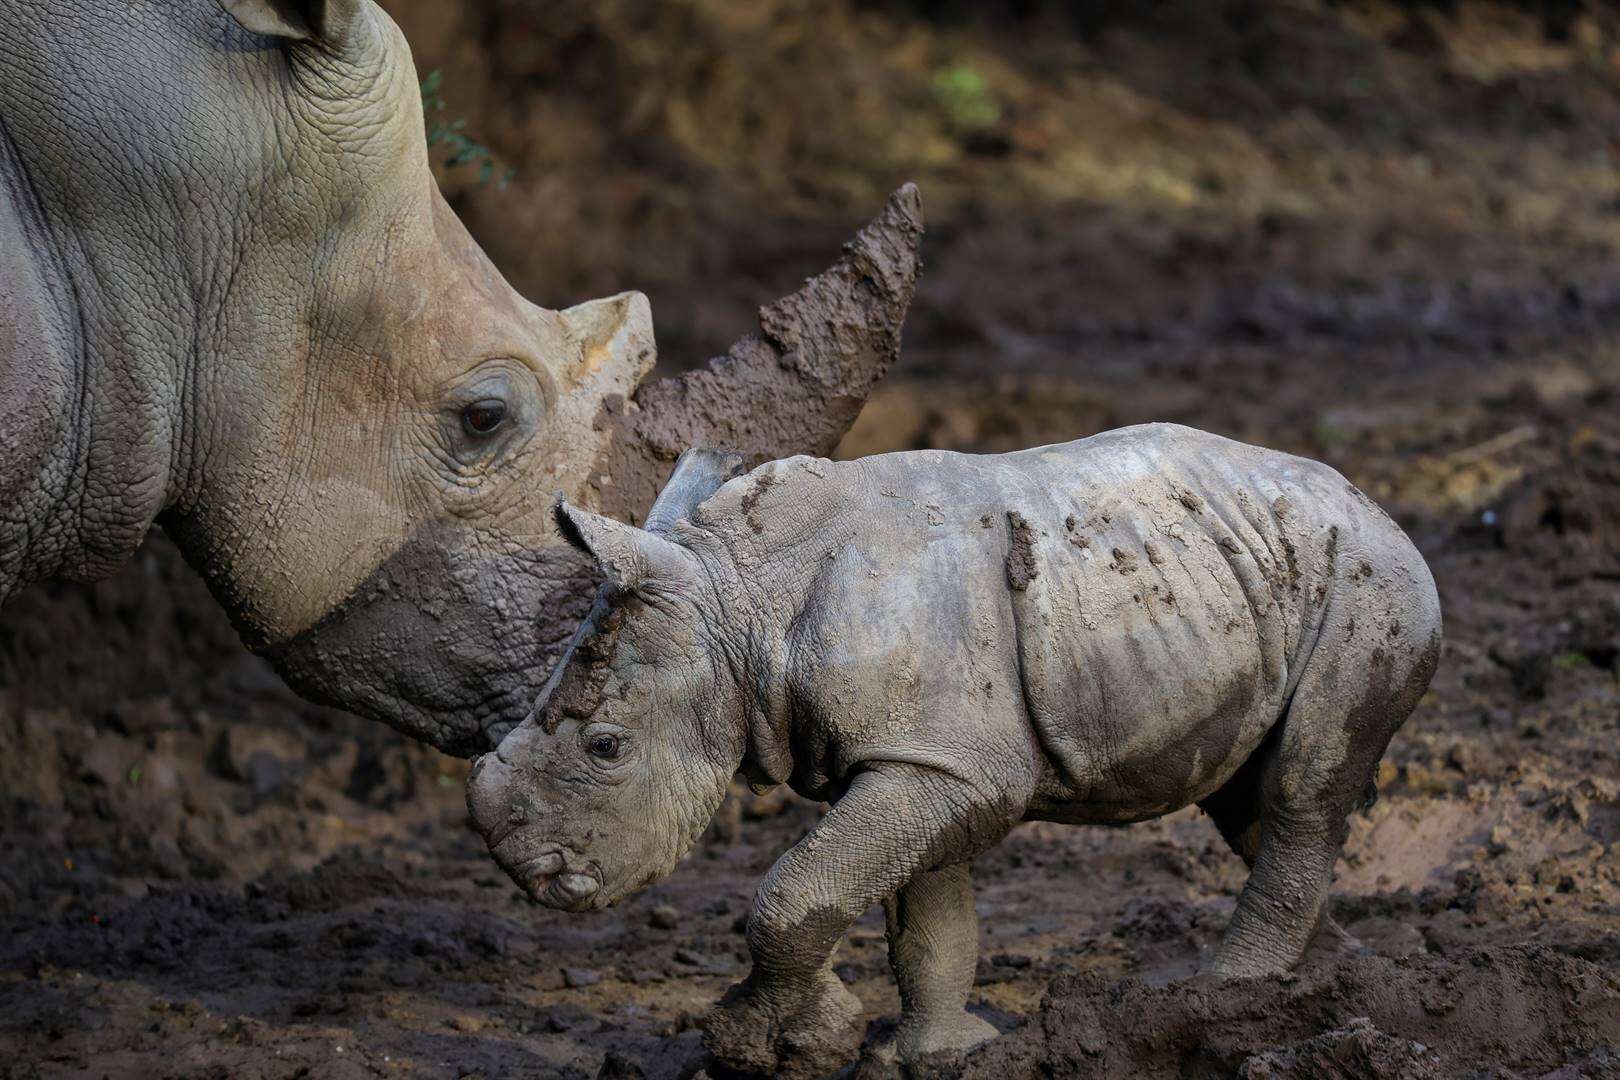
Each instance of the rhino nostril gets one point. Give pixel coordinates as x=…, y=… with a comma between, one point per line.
x=576, y=886
x=543, y=869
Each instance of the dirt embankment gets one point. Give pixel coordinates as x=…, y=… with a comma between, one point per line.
x=1380, y=234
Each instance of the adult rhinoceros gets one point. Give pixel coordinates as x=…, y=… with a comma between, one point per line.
x=232, y=300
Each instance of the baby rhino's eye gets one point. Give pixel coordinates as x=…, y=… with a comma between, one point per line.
x=605, y=746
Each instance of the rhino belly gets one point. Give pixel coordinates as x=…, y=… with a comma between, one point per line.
x=1133, y=731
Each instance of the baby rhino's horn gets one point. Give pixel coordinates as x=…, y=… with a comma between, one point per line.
x=699, y=473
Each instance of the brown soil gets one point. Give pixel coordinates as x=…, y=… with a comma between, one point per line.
x=1384, y=235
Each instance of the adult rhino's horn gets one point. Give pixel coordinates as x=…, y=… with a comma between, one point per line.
x=797, y=385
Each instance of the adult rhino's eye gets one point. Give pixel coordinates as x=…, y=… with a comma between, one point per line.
x=483, y=417
x=605, y=746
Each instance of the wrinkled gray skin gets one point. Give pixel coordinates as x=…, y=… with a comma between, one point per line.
x=943, y=646
x=233, y=300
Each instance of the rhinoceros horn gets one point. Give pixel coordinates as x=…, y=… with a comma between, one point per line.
x=797, y=385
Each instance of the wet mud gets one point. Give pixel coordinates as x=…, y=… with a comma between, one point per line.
x=1397, y=254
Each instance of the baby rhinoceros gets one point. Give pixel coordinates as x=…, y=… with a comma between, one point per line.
x=944, y=645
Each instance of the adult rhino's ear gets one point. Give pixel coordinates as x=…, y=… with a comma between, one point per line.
x=630, y=558
x=297, y=20
x=616, y=346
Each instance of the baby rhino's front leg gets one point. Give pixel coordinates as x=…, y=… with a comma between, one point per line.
x=792, y=1016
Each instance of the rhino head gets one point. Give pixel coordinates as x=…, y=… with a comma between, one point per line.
x=635, y=738
x=290, y=352
x=373, y=506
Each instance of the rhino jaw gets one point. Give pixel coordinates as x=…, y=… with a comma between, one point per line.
x=446, y=640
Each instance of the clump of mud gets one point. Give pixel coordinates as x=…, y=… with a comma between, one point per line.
x=1569, y=516
x=1526, y=1009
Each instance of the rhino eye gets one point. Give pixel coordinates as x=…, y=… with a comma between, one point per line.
x=483, y=417
x=605, y=746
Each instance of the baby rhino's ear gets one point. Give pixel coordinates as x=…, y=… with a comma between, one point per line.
x=630, y=558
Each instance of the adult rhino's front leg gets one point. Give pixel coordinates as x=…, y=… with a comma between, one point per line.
x=793, y=1016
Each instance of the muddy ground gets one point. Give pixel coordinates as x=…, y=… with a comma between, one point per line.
x=1383, y=235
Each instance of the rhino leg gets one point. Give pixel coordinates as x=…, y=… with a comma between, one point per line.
x=792, y=1016
x=1288, y=816
x=934, y=949
x=1235, y=809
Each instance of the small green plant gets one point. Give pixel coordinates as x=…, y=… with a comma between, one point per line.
x=966, y=98
x=1329, y=434
x=1572, y=660
x=460, y=148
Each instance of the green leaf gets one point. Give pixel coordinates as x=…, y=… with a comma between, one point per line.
x=461, y=148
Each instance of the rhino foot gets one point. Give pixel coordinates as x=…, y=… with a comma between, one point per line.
x=937, y=1037
x=801, y=1036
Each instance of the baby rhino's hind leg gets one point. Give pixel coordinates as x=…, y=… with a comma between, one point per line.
x=1235, y=810
x=934, y=949
x=1304, y=782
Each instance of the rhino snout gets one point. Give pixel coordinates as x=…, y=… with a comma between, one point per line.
x=546, y=871
x=488, y=801
x=574, y=889
x=537, y=874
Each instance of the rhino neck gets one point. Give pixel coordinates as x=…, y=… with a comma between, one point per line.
x=90, y=445
x=782, y=527
x=116, y=258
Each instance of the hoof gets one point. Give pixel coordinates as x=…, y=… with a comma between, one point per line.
x=933, y=1041
x=756, y=1033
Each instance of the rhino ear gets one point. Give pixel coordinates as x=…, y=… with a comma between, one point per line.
x=698, y=474
x=615, y=335
x=296, y=20
x=628, y=557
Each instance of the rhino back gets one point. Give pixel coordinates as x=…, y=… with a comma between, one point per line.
x=1113, y=622
x=1175, y=585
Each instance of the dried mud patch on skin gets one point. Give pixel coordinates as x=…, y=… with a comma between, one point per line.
x=1520, y=1008
x=1021, y=566
x=750, y=499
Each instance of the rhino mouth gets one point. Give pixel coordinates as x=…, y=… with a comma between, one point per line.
x=558, y=879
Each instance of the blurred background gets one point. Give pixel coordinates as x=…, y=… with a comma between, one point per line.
x=1383, y=234
x=1108, y=185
